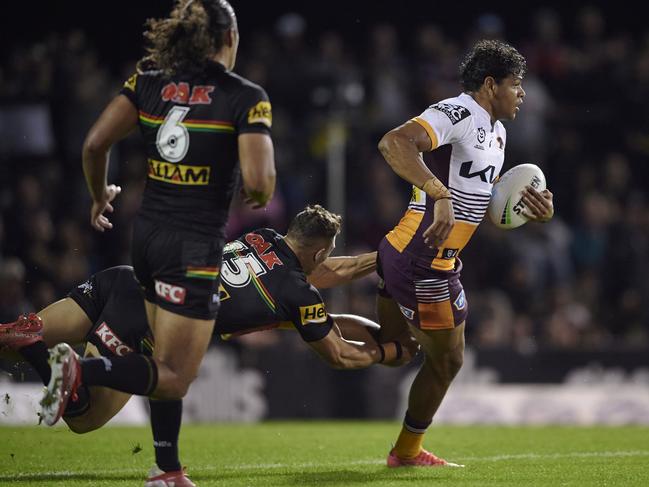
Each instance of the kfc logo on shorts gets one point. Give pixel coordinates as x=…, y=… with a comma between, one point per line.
x=112, y=341
x=460, y=301
x=407, y=312
x=173, y=294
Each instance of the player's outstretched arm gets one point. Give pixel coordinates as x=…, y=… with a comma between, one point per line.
x=340, y=353
x=116, y=122
x=336, y=271
x=257, y=161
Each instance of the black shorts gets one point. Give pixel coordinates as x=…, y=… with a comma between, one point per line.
x=179, y=271
x=114, y=304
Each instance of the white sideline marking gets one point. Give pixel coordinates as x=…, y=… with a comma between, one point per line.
x=373, y=461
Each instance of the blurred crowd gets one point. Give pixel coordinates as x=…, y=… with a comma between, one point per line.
x=578, y=282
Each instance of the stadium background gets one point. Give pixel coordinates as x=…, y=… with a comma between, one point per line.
x=560, y=305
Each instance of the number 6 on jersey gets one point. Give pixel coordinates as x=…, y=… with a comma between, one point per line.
x=172, y=139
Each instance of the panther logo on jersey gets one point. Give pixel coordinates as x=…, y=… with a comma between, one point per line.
x=86, y=288
x=455, y=113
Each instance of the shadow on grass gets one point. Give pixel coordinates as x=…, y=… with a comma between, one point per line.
x=331, y=477
x=328, y=477
x=60, y=477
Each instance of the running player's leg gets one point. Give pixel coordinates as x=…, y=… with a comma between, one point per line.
x=64, y=321
x=104, y=404
x=391, y=320
x=180, y=344
x=443, y=352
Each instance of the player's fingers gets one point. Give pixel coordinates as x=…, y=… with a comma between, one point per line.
x=113, y=191
x=109, y=208
x=104, y=222
x=535, y=206
x=95, y=224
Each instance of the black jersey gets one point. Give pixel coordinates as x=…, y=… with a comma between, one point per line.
x=263, y=286
x=190, y=125
x=113, y=302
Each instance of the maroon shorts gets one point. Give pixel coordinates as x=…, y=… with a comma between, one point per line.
x=428, y=299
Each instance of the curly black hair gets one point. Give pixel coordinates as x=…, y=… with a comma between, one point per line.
x=490, y=58
x=186, y=40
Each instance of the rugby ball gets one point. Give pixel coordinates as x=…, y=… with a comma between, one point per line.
x=506, y=206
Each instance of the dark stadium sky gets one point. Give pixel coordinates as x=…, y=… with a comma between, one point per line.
x=114, y=26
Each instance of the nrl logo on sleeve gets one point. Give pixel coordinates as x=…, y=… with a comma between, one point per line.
x=455, y=113
x=313, y=314
x=261, y=113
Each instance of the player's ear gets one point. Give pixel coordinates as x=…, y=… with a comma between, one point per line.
x=318, y=255
x=491, y=85
x=229, y=37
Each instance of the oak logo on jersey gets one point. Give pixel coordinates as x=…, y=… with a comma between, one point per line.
x=179, y=173
x=109, y=338
x=261, y=113
x=171, y=293
x=263, y=250
x=313, y=314
x=455, y=113
x=180, y=93
x=481, y=135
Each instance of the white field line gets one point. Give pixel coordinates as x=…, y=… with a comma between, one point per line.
x=373, y=461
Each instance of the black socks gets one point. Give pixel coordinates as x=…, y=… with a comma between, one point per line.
x=166, y=417
x=132, y=373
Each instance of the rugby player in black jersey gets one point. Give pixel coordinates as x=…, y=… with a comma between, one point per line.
x=199, y=121
x=268, y=281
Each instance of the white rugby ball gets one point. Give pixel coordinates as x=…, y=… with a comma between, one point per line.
x=506, y=205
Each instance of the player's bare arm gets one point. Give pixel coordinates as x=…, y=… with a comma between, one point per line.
x=339, y=353
x=402, y=148
x=539, y=205
x=336, y=271
x=116, y=122
x=257, y=161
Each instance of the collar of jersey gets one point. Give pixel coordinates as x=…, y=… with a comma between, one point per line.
x=479, y=111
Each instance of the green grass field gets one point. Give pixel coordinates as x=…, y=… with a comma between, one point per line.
x=331, y=454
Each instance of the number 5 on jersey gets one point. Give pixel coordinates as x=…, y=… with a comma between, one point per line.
x=172, y=139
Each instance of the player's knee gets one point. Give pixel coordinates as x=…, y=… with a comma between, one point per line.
x=179, y=387
x=446, y=366
x=454, y=360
